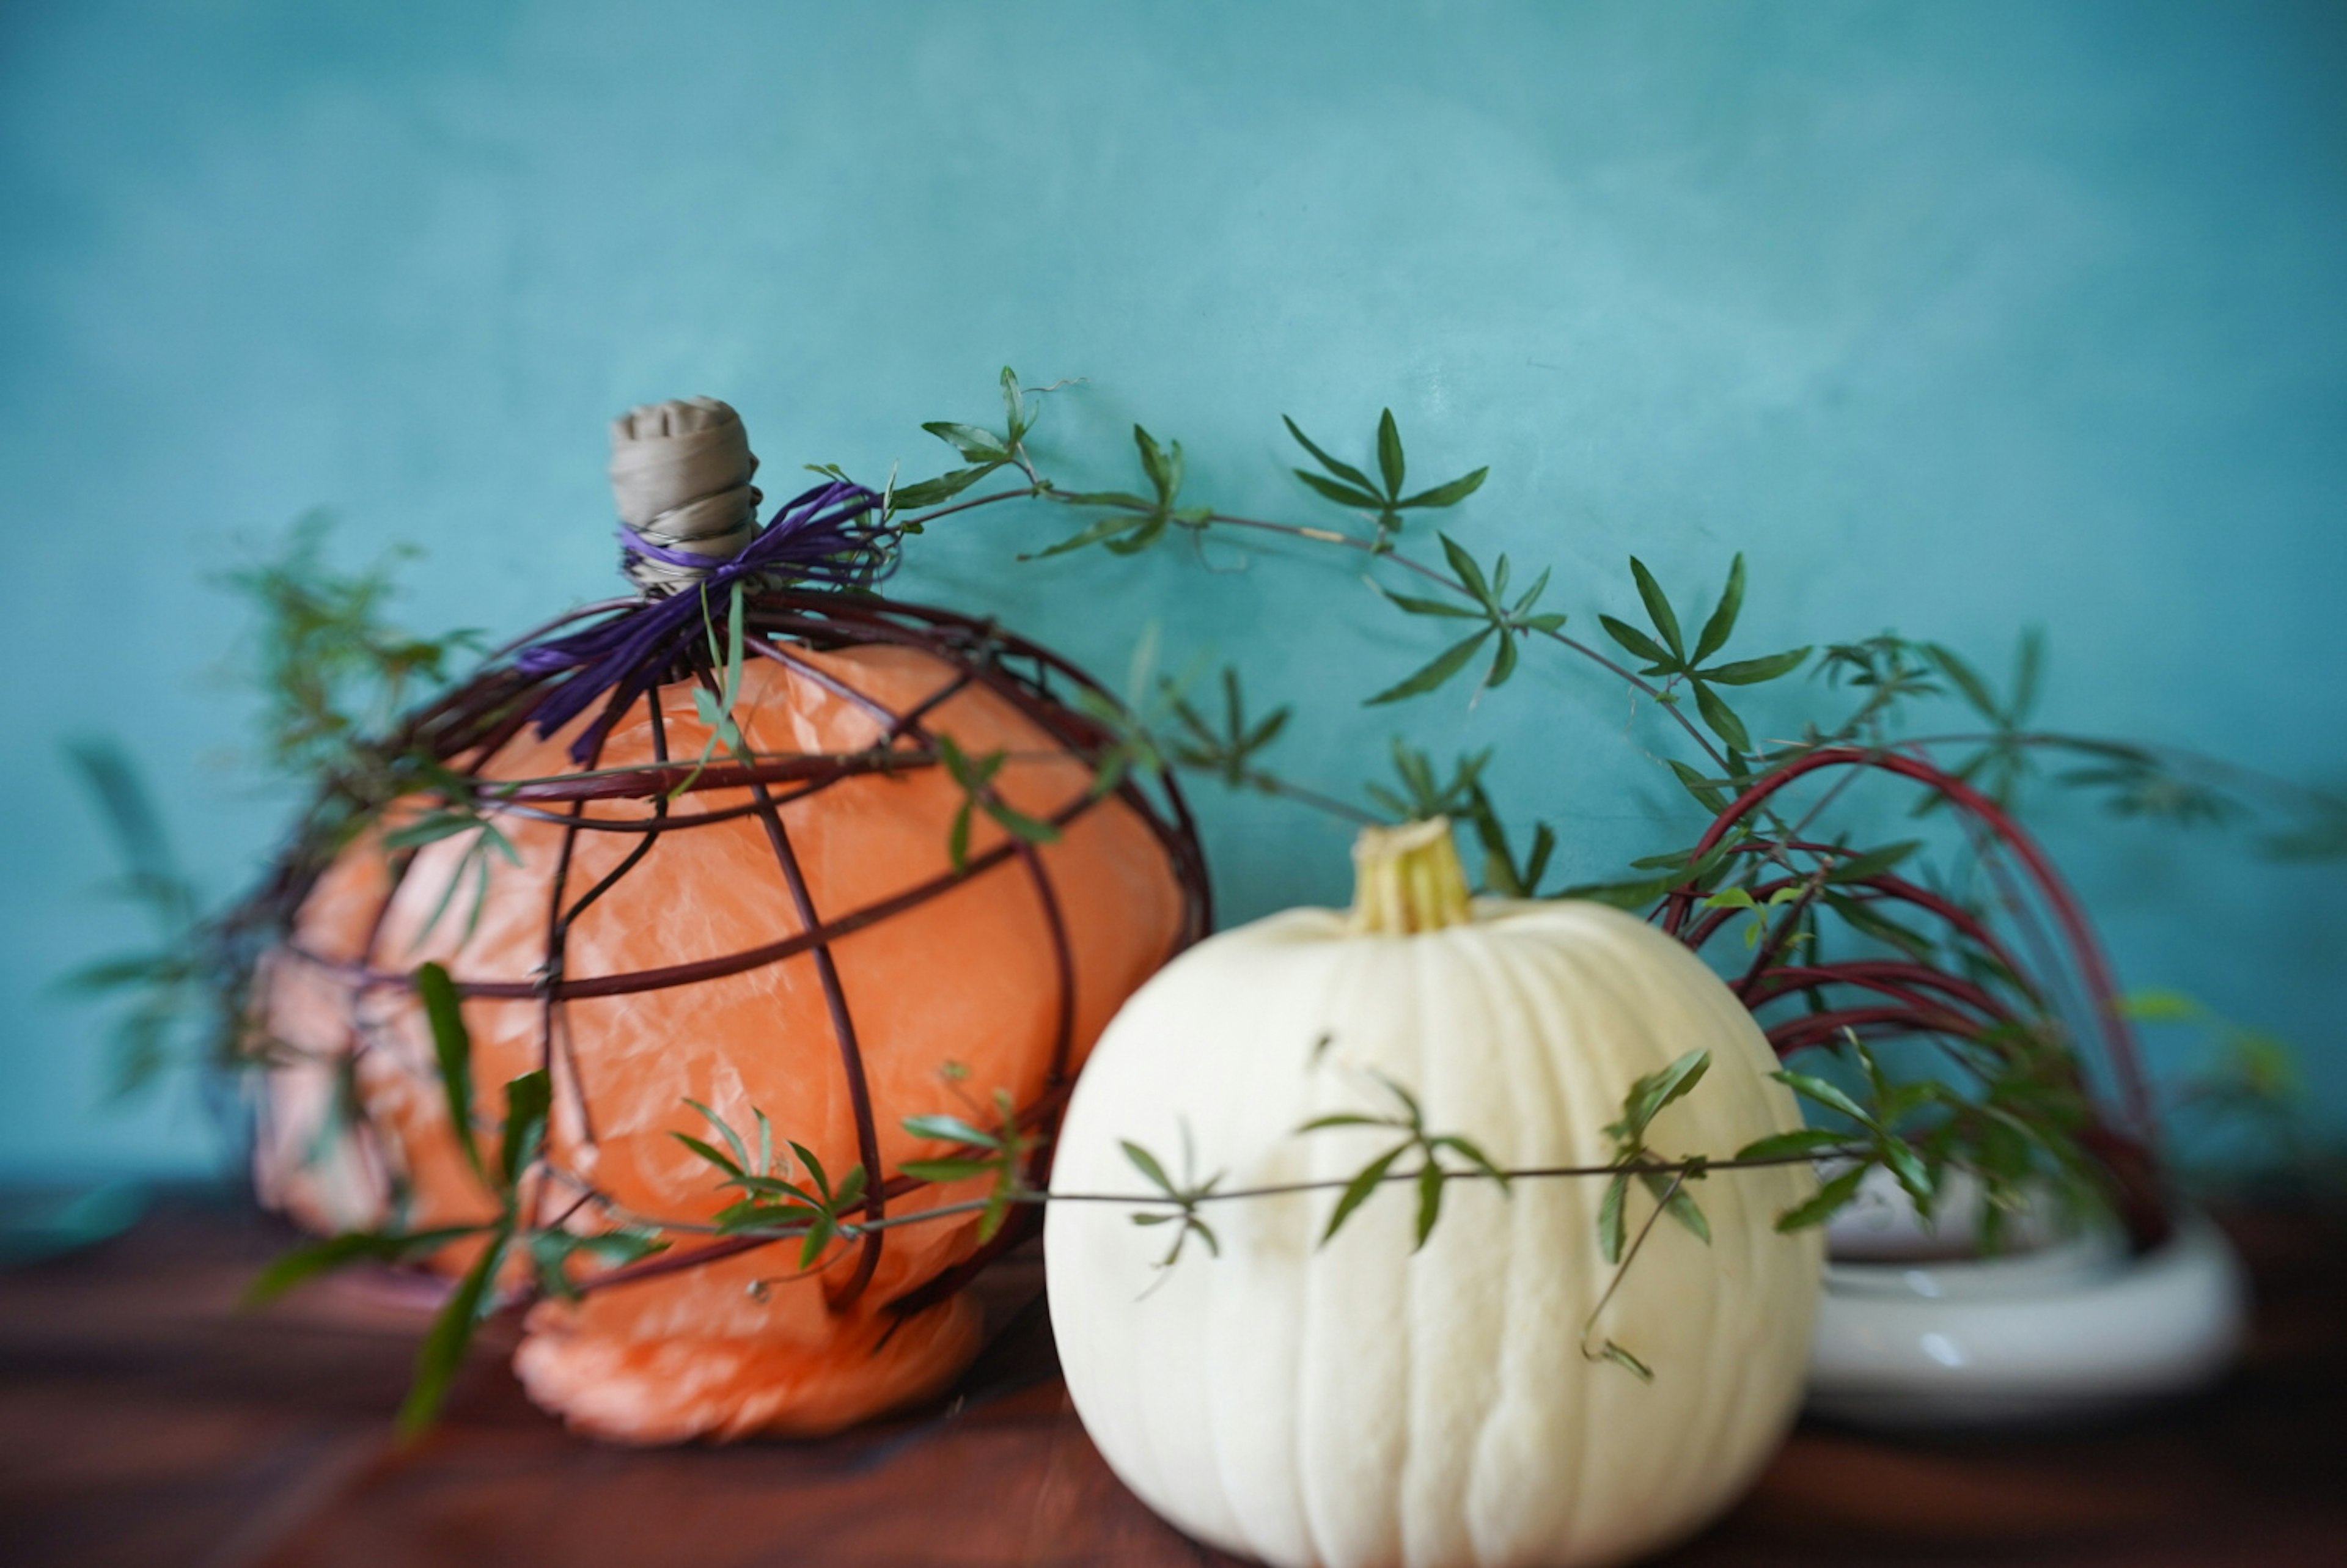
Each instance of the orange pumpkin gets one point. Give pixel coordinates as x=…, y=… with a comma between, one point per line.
x=797, y=944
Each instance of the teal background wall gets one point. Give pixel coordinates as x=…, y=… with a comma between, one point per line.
x=1955, y=318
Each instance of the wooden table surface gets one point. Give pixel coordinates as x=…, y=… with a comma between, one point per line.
x=144, y=1420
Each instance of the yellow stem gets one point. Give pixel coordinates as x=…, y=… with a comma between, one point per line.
x=1407, y=879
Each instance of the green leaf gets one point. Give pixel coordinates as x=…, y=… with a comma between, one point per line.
x=1649, y=1094
x=1776, y=1145
x=1531, y=595
x=1356, y=1191
x=1707, y=793
x=990, y=1218
x=1752, y=672
x=1106, y=528
x=1014, y=407
x=1449, y=495
x=1627, y=1362
x=451, y=1334
x=1162, y=464
x=733, y=1139
x=527, y=1101
x=1430, y=1201
x=452, y=1050
x=306, y=1263
x=1390, y=463
x=1442, y=668
x=1347, y=1119
x=1146, y=1164
x=552, y=1250
x=2029, y=661
x=950, y=1130
x=1821, y=1207
x=1658, y=608
x=615, y=1249
x=1866, y=922
x=1428, y=606
x=1264, y=733
x=1026, y=829
x=131, y=970
x=943, y=487
x=1473, y=1154
x=2161, y=1007
x=431, y=828
x=1639, y=644
x=1463, y=564
x=945, y=1170
x=1873, y=862
x=814, y=1168
x=1967, y=680
x=1909, y=1168
x=1720, y=717
x=820, y=1231
x=1809, y=1087
x=1536, y=864
x=1679, y=1205
x=1343, y=471
x=1148, y=533
x=1343, y=494
x=1503, y=663
x=1611, y=1229
x=1633, y=895
x=975, y=445
x=1722, y=623
x=708, y=1153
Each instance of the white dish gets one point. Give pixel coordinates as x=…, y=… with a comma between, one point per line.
x=2071, y=1330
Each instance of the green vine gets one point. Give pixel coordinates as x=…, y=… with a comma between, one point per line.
x=2006, y=1104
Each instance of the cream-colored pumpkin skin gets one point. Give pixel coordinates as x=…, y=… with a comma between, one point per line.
x=1358, y=1405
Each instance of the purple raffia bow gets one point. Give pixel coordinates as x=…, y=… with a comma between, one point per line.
x=823, y=535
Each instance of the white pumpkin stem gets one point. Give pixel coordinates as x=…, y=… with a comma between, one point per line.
x=1407, y=879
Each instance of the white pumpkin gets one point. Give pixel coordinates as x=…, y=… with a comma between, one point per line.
x=1358, y=1404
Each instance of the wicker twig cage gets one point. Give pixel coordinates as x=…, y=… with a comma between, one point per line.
x=813, y=950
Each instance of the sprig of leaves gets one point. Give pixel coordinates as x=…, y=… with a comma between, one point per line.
x=1422, y=795
x=1488, y=602
x=1672, y=659
x=814, y=1207
x=1997, y=767
x=975, y=775
x=1665, y=873
x=1640, y=1106
x=1137, y=522
x=982, y=450
x=1741, y=899
x=459, y=813
x=1428, y=1174
x=171, y=981
x=1131, y=726
x=1184, y=1196
x=2014, y=1131
x=1888, y=669
x=1647, y=1099
x=1002, y=1153
x=334, y=672
x=1382, y=499
x=1227, y=751
x=520, y=1137
x=2248, y=1080
x=715, y=708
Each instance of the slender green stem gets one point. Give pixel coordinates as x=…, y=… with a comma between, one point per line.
x=1678, y=1168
